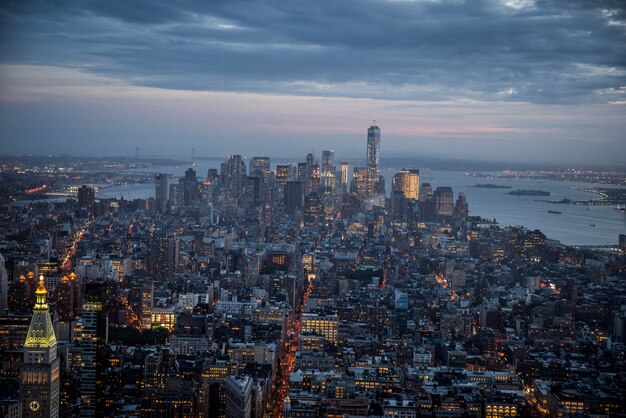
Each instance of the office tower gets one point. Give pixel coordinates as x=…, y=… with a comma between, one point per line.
x=293, y=196
x=76, y=284
x=189, y=188
x=238, y=396
x=4, y=286
x=282, y=174
x=444, y=201
x=345, y=174
x=175, y=198
x=302, y=174
x=160, y=192
x=86, y=197
x=425, y=192
x=315, y=178
x=461, y=207
x=164, y=253
x=360, y=181
x=328, y=170
x=373, y=157
x=407, y=182
x=310, y=159
x=147, y=301
x=88, y=339
x=234, y=175
x=260, y=167
x=39, y=374
x=313, y=209
x=64, y=296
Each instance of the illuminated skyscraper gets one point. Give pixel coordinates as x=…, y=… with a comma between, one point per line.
x=373, y=157
x=345, y=174
x=360, y=181
x=282, y=174
x=39, y=374
x=407, y=182
x=88, y=340
x=328, y=170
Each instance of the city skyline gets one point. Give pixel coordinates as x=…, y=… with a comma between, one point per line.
x=518, y=81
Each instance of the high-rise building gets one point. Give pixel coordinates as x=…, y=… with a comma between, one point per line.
x=147, y=302
x=4, y=286
x=461, y=208
x=425, y=192
x=260, y=167
x=345, y=174
x=189, y=188
x=64, y=300
x=313, y=209
x=328, y=170
x=39, y=374
x=161, y=192
x=293, y=197
x=407, y=182
x=282, y=174
x=86, y=196
x=360, y=180
x=444, y=201
x=88, y=340
x=373, y=157
x=310, y=160
x=234, y=175
x=164, y=253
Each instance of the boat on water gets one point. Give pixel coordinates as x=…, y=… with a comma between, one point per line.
x=556, y=212
x=592, y=225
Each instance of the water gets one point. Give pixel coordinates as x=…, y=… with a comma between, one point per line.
x=573, y=226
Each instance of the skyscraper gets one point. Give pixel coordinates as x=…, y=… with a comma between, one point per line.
x=4, y=286
x=328, y=170
x=86, y=197
x=88, y=342
x=407, y=182
x=345, y=174
x=373, y=157
x=160, y=192
x=39, y=374
x=293, y=196
x=444, y=201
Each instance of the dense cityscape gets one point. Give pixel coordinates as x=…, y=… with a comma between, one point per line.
x=310, y=289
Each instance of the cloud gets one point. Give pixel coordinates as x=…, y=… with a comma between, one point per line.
x=545, y=52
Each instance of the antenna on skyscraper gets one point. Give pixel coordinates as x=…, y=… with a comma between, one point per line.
x=193, y=157
x=136, y=153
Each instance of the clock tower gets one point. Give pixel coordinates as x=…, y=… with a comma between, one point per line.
x=39, y=374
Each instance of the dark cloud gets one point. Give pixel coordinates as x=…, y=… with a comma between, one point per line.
x=542, y=51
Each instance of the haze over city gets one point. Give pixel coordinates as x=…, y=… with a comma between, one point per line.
x=517, y=80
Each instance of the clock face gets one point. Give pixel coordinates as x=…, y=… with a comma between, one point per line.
x=34, y=406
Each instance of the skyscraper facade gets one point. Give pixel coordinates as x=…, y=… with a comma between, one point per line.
x=373, y=157
x=161, y=192
x=407, y=182
x=39, y=374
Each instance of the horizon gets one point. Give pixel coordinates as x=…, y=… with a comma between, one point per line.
x=519, y=81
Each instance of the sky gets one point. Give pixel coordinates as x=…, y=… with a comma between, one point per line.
x=494, y=80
